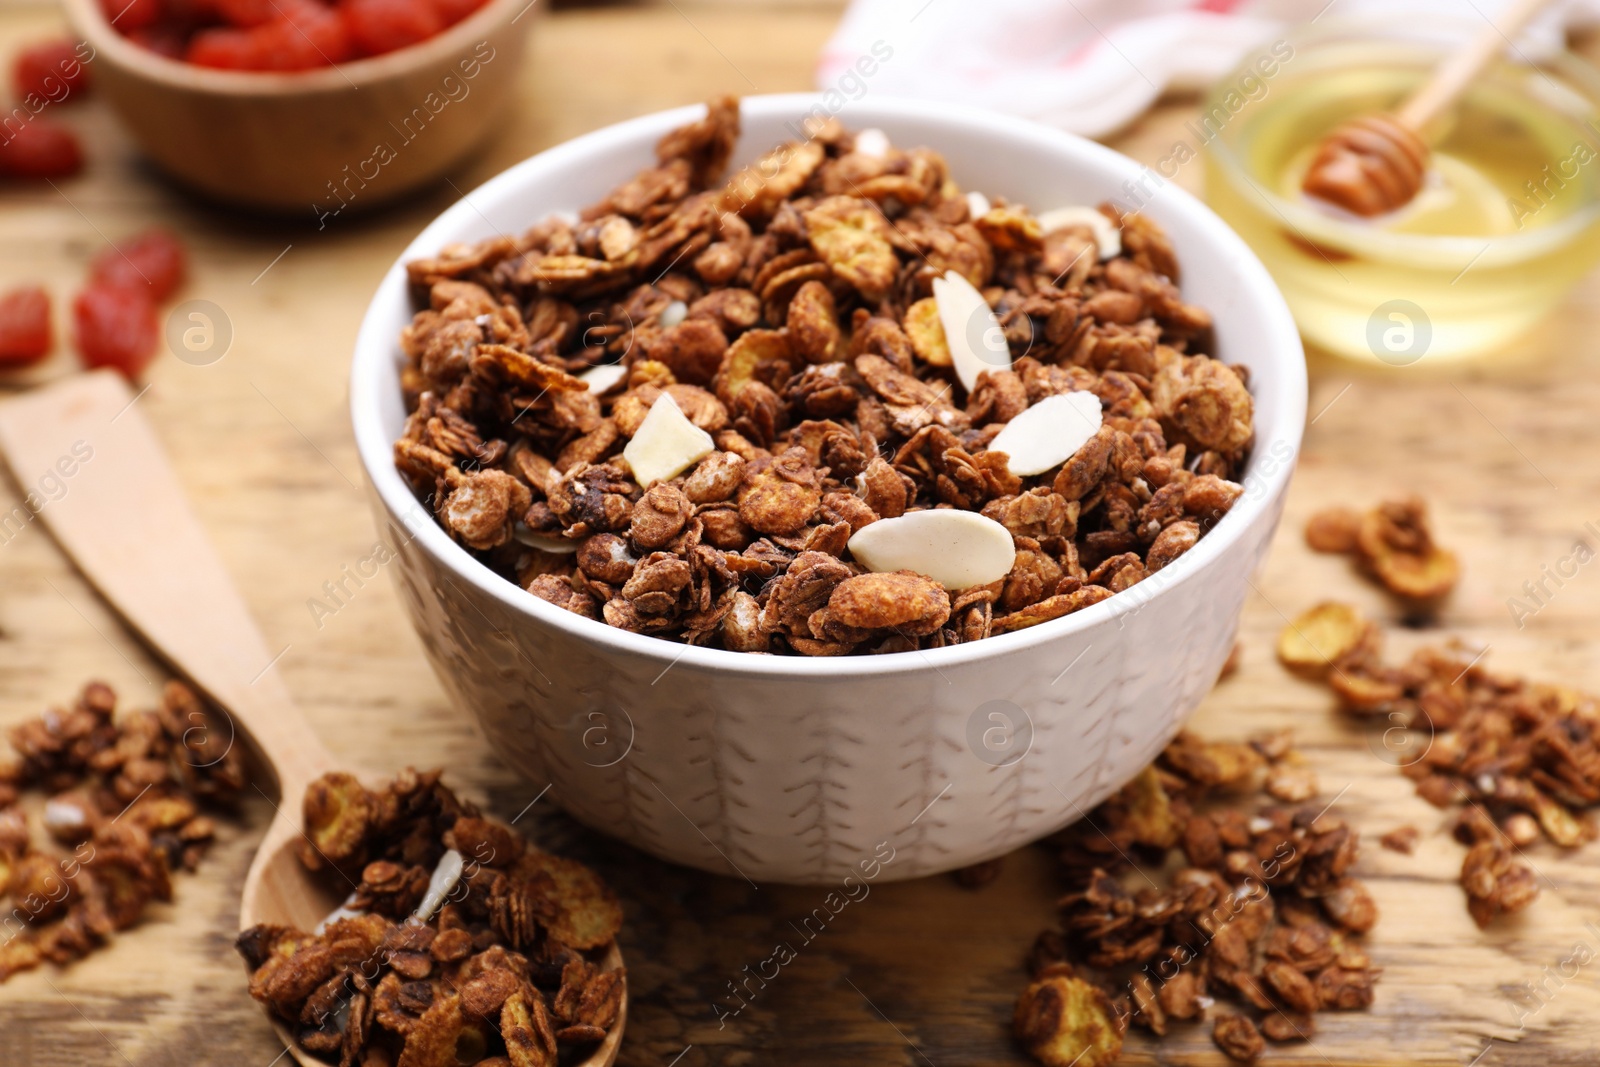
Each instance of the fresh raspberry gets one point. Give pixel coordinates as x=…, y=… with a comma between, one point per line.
x=24, y=326
x=50, y=70
x=39, y=148
x=453, y=11
x=130, y=15
x=115, y=328
x=153, y=263
x=379, y=26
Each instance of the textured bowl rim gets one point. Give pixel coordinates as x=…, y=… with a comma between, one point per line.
x=377, y=343
x=90, y=20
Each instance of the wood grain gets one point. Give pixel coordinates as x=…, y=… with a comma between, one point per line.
x=920, y=973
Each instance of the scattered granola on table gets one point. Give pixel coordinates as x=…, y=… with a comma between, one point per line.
x=1262, y=911
x=831, y=405
x=1521, y=760
x=1394, y=544
x=122, y=811
x=461, y=944
x=1402, y=839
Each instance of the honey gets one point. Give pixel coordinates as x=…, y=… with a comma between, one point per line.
x=1505, y=224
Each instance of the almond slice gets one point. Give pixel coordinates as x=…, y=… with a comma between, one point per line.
x=346, y=910
x=666, y=444
x=440, y=885
x=543, y=542
x=957, y=549
x=673, y=314
x=872, y=142
x=1049, y=433
x=977, y=204
x=601, y=379
x=971, y=330
x=65, y=820
x=1106, y=234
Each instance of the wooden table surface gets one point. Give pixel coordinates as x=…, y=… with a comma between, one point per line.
x=1508, y=452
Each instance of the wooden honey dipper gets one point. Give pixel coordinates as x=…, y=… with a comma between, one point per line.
x=1376, y=163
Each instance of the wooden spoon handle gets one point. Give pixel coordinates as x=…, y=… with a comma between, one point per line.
x=96, y=476
x=1456, y=73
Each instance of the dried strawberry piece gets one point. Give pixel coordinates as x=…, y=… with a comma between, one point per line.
x=226, y=49
x=247, y=13
x=115, y=328
x=307, y=36
x=40, y=148
x=166, y=41
x=379, y=26
x=24, y=326
x=153, y=262
x=453, y=11
x=50, y=70
x=298, y=35
x=130, y=15
x=185, y=15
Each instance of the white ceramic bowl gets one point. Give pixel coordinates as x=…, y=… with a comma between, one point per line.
x=792, y=769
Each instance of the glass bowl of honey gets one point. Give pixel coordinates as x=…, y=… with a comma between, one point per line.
x=1507, y=222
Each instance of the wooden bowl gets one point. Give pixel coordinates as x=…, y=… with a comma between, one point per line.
x=323, y=141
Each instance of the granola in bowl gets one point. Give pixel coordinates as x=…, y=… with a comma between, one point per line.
x=832, y=404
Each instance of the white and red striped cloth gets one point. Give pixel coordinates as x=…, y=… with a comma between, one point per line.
x=1092, y=66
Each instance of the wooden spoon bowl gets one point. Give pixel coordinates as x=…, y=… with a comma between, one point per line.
x=126, y=524
x=315, y=141
x=278, y=891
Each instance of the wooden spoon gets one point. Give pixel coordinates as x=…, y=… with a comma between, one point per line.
x=1375, y=164
x=125, y=522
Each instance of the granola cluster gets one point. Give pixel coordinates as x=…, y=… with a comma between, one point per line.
x=1393, y=543
x=1262, y=910
x=678, y=412
x=124, y=794
x=461, y=943
x=1519, y=759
